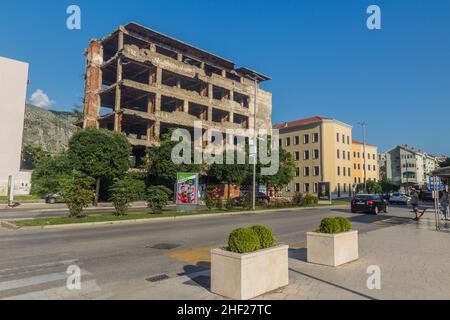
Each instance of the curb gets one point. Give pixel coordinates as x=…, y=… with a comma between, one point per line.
x=166, y=219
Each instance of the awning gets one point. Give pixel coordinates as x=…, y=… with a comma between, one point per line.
x=442, y=172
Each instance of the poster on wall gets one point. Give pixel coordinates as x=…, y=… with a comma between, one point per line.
x=187, y=191
x=324, y=192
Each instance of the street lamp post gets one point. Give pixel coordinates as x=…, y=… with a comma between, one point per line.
x=255, y=143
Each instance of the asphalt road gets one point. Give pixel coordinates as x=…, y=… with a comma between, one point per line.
x=120, y=256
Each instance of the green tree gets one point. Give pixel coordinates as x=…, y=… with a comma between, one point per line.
x=49, y=173
x=445, y=163
x=122, y=192
x=229, y=174
x=157, y=198
x=30, y=155
x=99, y=153
x=285, y=172
x=77, y=193
x=161, y=169
x=387, y=185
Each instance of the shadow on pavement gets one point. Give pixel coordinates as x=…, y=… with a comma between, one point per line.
x=299, y=254
x=196, y=279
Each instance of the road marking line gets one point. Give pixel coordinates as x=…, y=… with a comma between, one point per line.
x=38, y=266
x=32, y=281
x=60, y=293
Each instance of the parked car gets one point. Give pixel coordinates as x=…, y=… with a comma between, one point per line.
x=262, y=196
x=53, y=198
x=399, y=198
x=369, y=203
x=427, y=196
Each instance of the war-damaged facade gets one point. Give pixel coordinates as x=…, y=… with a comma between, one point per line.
x=143, y=83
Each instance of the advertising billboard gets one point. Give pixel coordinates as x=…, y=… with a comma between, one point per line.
x=324, y=192
x=187, y=190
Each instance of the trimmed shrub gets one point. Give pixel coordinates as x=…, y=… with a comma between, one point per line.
x=329, y=225
x=77, y=193
x=248, y=201
x=265, y=235
x=122, y=192
x=297, y=199
x=334, y=225
x=309, y=199
x=157, y=198
x=243, y=240
x=219, y=204
x=345, y=224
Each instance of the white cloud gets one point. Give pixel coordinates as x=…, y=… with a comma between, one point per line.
x=40, y=98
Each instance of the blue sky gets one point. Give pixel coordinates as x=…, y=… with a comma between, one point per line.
x=322, y=58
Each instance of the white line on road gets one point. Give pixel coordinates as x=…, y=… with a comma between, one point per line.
x=32, y=281
x=60, y=293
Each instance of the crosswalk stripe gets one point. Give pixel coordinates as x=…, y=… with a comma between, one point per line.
x=32, y=281
x=60, y=293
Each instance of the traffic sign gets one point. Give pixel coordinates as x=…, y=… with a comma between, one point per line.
x=436, y=184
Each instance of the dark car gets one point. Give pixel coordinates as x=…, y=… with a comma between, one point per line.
x=53, y=198
x=369, y=203
x=427, y=196
x=262, y=196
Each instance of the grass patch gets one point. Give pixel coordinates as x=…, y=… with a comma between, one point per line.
x=50, y=221
x=21, y=198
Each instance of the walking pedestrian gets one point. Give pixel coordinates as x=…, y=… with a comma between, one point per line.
x=415, y=204
x=444, y=202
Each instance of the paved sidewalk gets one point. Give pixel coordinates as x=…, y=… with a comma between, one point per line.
x=414, y=261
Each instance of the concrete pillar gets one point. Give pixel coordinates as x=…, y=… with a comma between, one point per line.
x=157, y=130
x=232, y=95
x=210, y=114
x=179, y=57
x=150, y=131
x=152, y=47
x=231, y=118
x=159, y=75
x=157, y=106
x=92, y=84
x=150, y=104
x=117, y=122
x=120, y=41
x=186, y=106
x=119, y=70
x=210, y=91
x=118, y=98
x=224, y=73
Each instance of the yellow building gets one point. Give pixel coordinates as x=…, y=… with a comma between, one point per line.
x=371, y=163
x=322, y=149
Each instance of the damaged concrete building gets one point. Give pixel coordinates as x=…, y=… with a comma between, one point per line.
x=143, y=83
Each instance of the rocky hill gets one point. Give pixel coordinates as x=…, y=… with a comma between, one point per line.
x=51, y=130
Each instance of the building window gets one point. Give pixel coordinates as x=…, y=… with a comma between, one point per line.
x=348, y=139
x=306, y=187
x=315, y=137
x=316, y=171
x=316, y=187
x=356, y=180
x=296, y=140
x=374, y=168
x=306, y=171
x=316, y=154
x=338, y=154
x=297, y=155
x=359, y=166
x=297, y=187
x=348, y=155
x=297, y=172
x=345, y=187
x=343, y=155
x=349, y=172
x=288, y=142
x=338, y=171
x=369, y=167
x=306, y=139
x=354, y=166
x=343, y=138
x=354, y=154
x=280, y=142
x=306, y=155
x=337, y=136
x=344, y=171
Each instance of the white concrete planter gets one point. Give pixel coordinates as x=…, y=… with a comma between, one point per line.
x=332, y=249
x=245, y=276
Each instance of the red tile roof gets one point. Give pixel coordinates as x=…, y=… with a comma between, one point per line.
x=360, y=142
x=300, y=122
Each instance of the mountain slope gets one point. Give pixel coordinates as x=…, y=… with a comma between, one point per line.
x=51, y=130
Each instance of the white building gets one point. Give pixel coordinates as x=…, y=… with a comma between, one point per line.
x=13, y=89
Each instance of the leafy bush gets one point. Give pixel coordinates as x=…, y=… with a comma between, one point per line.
x=122, y=192
x=157, y=198
x=209, y=201
x=219, y=204
x=334, y=225
x=77, y=193
x=281, y=203
x=344, y=223
x=229, y=204
x=243, y=240
x=297, y=199
x=265, y=235
x=309, y=199
x=247, y=202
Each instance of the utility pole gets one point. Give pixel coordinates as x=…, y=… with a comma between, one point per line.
x=363, y=125
x=255, y=142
